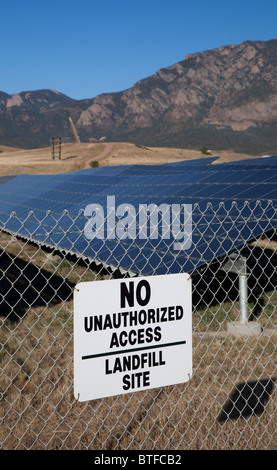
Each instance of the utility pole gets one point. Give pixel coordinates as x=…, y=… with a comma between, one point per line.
x=56, y=146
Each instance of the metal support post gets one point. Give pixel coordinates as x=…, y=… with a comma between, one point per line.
x=243, y=298
x=237, y=264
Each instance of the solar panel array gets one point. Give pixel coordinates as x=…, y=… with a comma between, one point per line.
x=48, y=209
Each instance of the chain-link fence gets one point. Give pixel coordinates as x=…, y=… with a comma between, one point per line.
x=230, y=401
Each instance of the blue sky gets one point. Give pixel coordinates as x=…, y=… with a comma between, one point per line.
x=84, y=48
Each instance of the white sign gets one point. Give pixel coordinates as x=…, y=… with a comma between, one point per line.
x=131, y=335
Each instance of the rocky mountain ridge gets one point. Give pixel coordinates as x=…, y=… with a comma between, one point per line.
x=221, y=98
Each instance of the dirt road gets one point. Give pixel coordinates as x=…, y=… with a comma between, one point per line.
x=105, y=152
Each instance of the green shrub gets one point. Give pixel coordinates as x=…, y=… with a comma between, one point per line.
x=94, y=164
x=204, y=150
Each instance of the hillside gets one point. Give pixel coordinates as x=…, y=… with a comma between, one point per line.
x=75, y=157
x=223, y=98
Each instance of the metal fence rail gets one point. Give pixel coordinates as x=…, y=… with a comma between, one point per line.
x=229, y=403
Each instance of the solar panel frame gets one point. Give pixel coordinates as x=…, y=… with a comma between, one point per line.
x=64, y=197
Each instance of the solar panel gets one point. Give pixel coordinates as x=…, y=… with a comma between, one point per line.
x=49, y=209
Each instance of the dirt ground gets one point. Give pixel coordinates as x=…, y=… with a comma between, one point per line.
x=14, y=161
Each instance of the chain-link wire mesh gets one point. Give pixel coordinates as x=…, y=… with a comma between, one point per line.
x=230, y=401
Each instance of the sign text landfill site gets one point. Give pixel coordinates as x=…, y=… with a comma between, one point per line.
x=131, y=335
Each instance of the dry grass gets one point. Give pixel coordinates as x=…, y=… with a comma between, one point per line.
x=39, y=161
x=78, y=156
x=38, y=408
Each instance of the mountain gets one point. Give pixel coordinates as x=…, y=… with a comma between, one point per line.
x=225, y=98
x=29, y=119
